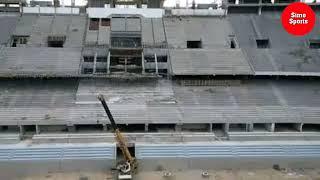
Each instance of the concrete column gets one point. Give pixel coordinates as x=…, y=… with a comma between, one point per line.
x=249, y=127
x=270, y=127
x=105, y=128
x=146, y=127
x=298, y=126
x=71, y=128
x=108, y=63
x=178, y=127
x=37, y=129
x=156, y=61
x=226, y=127
x=142, y=63
x=21, y=130
x=95, y=63
x=210, y=127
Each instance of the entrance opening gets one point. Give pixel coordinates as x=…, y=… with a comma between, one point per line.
x=237, y=127
x=311, y=127
x=89, y=127
x=260, y=127
x=162, y=127
x=131, y=127
x=285, y=127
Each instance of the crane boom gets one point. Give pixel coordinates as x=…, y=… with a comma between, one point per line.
x=118, y=135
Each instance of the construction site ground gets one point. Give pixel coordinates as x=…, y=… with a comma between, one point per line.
x=225, y=174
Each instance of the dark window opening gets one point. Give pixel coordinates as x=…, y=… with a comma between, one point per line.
x=89, y=127
x=263, y=43
x=101, y=70
x=162, y=127
x=88, y=58
x=94, y=24
x=237, y=127
x=311, y=127
x=162, y=58
x=285, y=127
x=105, y=22
x=149, y=58
x=132, y=127
x=18, y=41
x=29, y=128
x=102, y=59
x=314, y=43
x=260, y=127
x=56, y=41
x=87, y=70
x=194, y=44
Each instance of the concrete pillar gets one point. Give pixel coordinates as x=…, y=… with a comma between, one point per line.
x=156, y=61
x=108, y=63
x=249, y=127
x=259, y=10
x=146, y=127
x=178, y=127
x=226, y=127
x=105, y=128
x=270, y=127
x=298, y=126
x=71, y=128
x=210, y=127
x=95, y=62
x=21, y=130
x=142, y=63
x=37, y=129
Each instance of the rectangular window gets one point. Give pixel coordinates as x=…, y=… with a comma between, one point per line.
x=314, y=43
x=88, y=58
x=94, y=24
x=162, y=58
x=19, y=41
x=56, y=41
x=194, y=44
x=105, y=22
x=263, y=43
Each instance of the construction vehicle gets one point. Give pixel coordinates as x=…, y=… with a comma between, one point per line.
x=129, y=166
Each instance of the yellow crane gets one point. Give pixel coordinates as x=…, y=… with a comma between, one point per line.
x=127, y=168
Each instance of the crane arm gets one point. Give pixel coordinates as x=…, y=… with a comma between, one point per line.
x=118, y=135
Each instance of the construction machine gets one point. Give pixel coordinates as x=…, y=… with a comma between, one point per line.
x=129, y=166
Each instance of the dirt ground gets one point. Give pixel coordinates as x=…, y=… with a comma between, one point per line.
x=265, y=174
